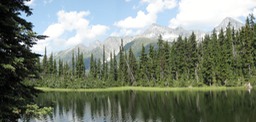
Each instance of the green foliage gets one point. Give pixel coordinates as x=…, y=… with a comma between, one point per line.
x=36, y=112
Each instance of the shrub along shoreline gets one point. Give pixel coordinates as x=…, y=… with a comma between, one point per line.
x=135, y=88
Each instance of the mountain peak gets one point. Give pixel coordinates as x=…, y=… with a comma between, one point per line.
x=155, y=26
x=179, y=28
x=228, y=19
x=154, y=30
x=233, y=22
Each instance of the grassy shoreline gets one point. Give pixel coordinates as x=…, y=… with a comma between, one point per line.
x=127, y=88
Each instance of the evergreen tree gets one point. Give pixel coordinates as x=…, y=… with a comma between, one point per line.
x=73, y=63
x=111, y=68
x=95, y=74
x=80, y=66
x=174, y=61
x=17, y=60
x=208, y=61
x=104, y=68
x=178, y=56
x=216, y=56
x=50, y=66
x=45, y=62
x=66, y=70
x=54, y=67
x=253, y=38
x=192, y=57
x=143, y=65
x=115, y=68
x=161, y=58
x=152, y=64
x=60, y=67
x=222, y=71
x=126, y=70
x=121, y=71
x=246, y=56
x=92, y=66
x=99, y=70
x=237, y=61
x=166, y=59
x=106, y=72
x=228, y=54
x=132, y=67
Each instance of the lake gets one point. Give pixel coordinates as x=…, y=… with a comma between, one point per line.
x=138, y=106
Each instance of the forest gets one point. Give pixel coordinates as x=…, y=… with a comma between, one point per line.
x=226, y=58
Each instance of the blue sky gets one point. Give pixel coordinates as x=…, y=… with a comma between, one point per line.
x=71, y=22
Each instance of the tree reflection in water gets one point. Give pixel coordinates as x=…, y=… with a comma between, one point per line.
x=221, y=106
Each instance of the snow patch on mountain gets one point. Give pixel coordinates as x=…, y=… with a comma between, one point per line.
x=233, y=23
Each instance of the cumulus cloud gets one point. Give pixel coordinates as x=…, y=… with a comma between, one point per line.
x=140, y=21
x=71, y=29
x=123, y=32
x=143, y=19
x=199, y=14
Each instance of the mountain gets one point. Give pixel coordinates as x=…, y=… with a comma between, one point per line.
x=113, y=43
x=168, y=34
x=147, y=37
x=136, y=45
x=233, y=23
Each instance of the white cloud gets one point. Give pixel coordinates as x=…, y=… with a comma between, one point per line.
x=140, y=21
x=71, y=29
x=199, y=14
x=123, y=32
x=254, y=12
x=143, y=19
x=127, y=0
x=29, y=3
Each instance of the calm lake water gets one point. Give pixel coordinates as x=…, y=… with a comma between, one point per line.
x=129, y=106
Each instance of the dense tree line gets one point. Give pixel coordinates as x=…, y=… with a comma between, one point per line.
x=225, y=58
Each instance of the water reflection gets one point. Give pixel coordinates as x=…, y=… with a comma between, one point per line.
x=217, y=106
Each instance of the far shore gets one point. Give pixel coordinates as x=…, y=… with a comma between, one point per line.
x=138, y=88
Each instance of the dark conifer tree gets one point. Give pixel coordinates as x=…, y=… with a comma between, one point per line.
x=50, y=66
x=17, y=60
x=132, y=67
x=92, y=66
x=247, y=60
x=45, y=61
x=121, y=72
x=99, y=69
x=73, y=63
x=207, y=61
x=103, y=64
x=111, y=68
x=115, y=68
x=60, y=67
x=54, y=68
x=152, y=63
x=143, y=65
x=161, y=58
